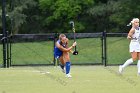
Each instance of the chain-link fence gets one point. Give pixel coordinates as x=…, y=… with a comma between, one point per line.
x=117, y=48
x=34, y=49
x=37, y=49
x=89, y=46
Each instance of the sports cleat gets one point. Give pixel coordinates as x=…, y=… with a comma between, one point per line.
x=120, y=69
x=62, y=68
x=138, y=71
x=138, y=74
x=68, y=76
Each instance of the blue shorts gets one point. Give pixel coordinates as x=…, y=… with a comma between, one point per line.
x=57, y=52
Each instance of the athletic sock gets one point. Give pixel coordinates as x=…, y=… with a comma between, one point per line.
x=62, y=66
x=138, y=65
x=67, y=67
x=128, y=62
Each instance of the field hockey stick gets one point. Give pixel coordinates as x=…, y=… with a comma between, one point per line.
x=74, y=37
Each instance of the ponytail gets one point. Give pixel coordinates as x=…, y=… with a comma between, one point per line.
x=132, y=22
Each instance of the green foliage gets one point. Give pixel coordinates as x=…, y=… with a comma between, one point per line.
x=17, y=14
x=0, y=18
x=60, y=12
x=115, y=14
x=102, y=13
x=46, y=16
x=128, y=9
x=14, y=10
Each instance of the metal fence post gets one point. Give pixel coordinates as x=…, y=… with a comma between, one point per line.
x=102, y=44
x=10, y=51
x=104, y=49
x=12, y=2
x=7, y=43
x=4, y=32
x=55, y=38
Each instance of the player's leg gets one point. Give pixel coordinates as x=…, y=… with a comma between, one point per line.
x=128, y=62
x=138, y=64
x=62, y=64
x=68, y=63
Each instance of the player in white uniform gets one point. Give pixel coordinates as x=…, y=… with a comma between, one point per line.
x=134, y=47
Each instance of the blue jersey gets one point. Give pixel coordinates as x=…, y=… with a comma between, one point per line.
x=57, y=52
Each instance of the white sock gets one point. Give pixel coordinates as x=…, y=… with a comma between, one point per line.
x=138, y=65
x=128, y=62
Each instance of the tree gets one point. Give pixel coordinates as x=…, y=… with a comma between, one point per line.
x=45, y=16
x=114, y=15
x=128, y=9
x=102, y=12
x=15, y=14
x=0, y=20
x=58, y=13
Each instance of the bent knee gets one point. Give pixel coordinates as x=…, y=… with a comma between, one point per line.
x=67, y=59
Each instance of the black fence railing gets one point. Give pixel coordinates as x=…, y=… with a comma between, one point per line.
x=94, y=48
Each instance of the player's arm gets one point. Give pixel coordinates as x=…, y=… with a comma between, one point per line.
x=131, y=32
x=67, y=42
x=65, y=49
x=71, y=51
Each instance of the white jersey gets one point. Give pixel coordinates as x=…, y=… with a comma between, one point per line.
x=135, y=41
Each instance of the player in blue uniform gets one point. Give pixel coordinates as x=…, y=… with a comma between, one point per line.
x=61, y=52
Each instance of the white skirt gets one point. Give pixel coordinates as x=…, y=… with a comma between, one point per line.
x=134, y=47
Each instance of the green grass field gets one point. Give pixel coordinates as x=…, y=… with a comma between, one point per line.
x=90, y=51
x=86, y=79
